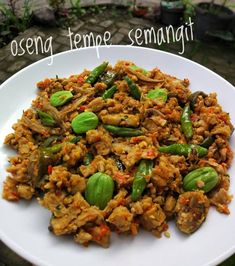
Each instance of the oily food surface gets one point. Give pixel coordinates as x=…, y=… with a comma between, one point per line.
x=119, y=148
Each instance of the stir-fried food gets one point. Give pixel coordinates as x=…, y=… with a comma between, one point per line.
x=119, y=148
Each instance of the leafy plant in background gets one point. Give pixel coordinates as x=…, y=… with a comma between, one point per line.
x=219, y=21
x=12, y=24
x=27, y=16
x=76, y=8
x=67, y=15
x=63, y=18
x=189, y=10
x=216, y=10
x=96, y=9
x=213, y=9
x=190, y=7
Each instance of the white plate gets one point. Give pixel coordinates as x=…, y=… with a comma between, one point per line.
x=23, y=225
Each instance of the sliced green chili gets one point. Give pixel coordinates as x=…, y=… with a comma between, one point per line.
x=88, y=158
x=186, y=123
x=123, y=131
x=183, y=149
x=207, y=142
x=134, y=90
x=109, y=92
x=139, y=183
x=96, y=72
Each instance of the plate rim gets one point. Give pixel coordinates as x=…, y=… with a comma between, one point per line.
x=107, y=47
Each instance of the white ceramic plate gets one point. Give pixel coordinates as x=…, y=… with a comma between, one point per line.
x=23, y=225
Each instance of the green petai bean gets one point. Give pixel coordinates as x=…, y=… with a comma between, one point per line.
x=158, y=93
x=205, y=178
x=99, y=190
x=60, y=98
x=84, y=122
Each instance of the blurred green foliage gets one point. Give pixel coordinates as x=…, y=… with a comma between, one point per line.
x=11, y=24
